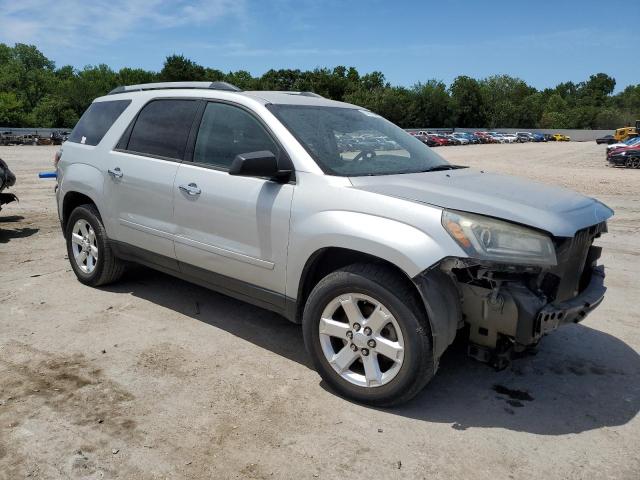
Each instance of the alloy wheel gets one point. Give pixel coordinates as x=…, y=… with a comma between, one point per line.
x=361, y=340
x=84, y=246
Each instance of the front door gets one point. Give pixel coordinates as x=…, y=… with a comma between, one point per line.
x=232, y=231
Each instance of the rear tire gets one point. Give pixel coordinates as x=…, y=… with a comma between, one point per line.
x=381, y=297
x=88, y=249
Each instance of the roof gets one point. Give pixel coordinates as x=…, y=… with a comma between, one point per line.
x=263, y=96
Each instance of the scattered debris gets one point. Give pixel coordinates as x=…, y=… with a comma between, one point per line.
x=399, y=465
x=115, y=451
x=379, y=430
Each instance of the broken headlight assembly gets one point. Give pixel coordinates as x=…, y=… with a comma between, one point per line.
x=486, y=238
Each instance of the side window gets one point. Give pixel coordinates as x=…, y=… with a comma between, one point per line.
x=96, y=121
x=227, y=131
x=162, y=128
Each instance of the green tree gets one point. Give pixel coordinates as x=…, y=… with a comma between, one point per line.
x=467, y=102
x=178, y=68
x=10, y=109
x=431, y=105
x=554, y=120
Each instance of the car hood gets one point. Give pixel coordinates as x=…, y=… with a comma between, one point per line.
x=556, y=210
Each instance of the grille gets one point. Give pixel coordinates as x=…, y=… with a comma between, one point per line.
x=575, y=257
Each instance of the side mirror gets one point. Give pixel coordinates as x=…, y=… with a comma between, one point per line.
x=258, y=164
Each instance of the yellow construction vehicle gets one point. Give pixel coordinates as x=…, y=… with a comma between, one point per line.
x=625, y=133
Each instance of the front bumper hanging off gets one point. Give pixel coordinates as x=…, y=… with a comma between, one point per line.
x=575, y=309
x=514, y=318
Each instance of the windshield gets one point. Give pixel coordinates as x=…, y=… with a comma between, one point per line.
x=353, y=142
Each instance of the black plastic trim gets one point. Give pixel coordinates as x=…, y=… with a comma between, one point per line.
x=247, y=292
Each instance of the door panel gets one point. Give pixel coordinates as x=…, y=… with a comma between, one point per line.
x=236, y=226
x=140, y=202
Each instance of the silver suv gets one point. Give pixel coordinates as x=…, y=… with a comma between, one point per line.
x=333, y=217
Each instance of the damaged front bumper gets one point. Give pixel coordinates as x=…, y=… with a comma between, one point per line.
x=514, y=318
x=508, y=308
x=575, y=309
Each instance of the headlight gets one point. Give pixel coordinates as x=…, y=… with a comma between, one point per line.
x=485, y=238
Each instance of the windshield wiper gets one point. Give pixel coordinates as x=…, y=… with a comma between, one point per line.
x=439, y=168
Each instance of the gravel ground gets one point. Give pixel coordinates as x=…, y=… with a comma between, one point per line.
x=157, y=378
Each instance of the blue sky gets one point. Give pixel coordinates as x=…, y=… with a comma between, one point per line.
x=542, y=42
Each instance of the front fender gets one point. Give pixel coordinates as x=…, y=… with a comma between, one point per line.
x=410, y=249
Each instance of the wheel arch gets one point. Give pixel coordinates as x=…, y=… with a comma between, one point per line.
x=80, y=183
x=329, y=259
x=70, y=201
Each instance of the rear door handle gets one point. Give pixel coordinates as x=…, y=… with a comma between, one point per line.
x=191, y=189
x=116, y=172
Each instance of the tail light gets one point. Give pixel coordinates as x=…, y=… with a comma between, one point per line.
x=56, y=158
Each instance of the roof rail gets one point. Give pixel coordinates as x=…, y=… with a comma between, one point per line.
x=305, y=94
x=173, y=85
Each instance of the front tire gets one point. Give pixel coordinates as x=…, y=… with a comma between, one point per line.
x=88, y=249
x=368, y=336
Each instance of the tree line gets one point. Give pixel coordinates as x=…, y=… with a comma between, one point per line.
x=36, y=93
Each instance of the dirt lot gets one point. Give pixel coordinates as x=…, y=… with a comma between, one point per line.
x=157, y=378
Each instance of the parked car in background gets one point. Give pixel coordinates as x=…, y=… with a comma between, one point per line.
x=539, y=137
x=428, y=140
x=498, y=137
x=456, y=140
x=473, y=139
x=625, y=157
x=559, y=137
x=524, y=137
x=485, y=137
x=620, y=150
x=442, y=140
x=627, y=143
x=462, y=137
x=608, y=139
x=509, y=137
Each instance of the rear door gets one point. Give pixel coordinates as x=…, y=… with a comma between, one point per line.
x=141, y=172
x=232, y=231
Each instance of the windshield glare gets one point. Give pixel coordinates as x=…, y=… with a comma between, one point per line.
x=353, y=142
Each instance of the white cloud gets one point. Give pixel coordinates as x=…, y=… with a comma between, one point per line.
x=77, y=23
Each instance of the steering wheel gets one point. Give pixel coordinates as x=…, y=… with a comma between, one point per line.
x=365, y=155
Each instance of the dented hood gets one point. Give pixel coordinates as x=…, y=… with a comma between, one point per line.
x=556, y=210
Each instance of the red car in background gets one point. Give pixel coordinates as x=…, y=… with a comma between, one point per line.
x=440, y=140
x=619, y=150
x=625, y=157
x=485, y=137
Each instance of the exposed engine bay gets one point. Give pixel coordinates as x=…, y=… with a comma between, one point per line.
x=509, y=308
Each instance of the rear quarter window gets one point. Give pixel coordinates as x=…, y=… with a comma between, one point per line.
x=96, y=121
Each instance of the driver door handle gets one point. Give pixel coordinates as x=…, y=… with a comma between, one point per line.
x=191, y=189
x=116, y=172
